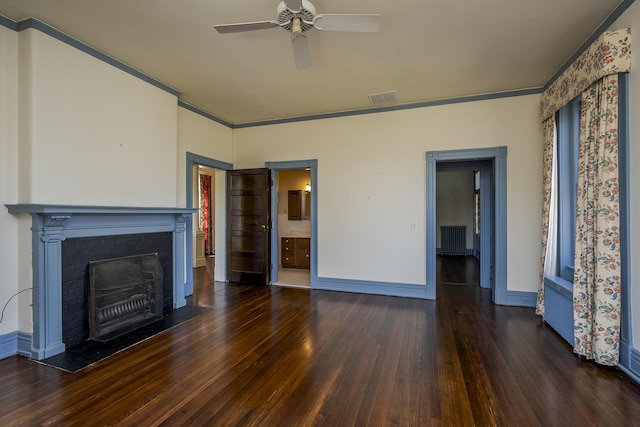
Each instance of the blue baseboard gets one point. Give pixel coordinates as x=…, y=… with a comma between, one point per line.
x=15, y=343
x=633, y=370
x=8, y=345
x=25, y=342
x=521, y=299
x=634, y=365
x=376, y=288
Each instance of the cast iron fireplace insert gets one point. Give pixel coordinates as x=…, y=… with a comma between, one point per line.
x=124, y=294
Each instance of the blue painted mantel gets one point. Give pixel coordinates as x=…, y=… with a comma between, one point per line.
x=51, y=224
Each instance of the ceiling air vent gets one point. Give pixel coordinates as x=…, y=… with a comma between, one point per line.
x=383, y=97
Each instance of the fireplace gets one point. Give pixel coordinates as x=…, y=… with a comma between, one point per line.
x=114, y=228
x=124, y=294
x=78, y=254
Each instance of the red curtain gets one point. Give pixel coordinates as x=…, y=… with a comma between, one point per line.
x=205, y=213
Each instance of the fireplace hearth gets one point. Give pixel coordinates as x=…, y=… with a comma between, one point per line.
x=124, y=294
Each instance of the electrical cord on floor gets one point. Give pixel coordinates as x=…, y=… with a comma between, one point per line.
x=9, y=300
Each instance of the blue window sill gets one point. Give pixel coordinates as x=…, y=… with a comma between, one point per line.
x=564, y=287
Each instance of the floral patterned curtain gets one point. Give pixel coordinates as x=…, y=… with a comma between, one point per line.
x=549, y=133
x=609, y=54
x=205, y=213
x=596, y=282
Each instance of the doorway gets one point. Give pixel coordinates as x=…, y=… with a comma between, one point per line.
x=220, y=248
x=294, y=230
x=205, y=194
x=294, y=227
x=217, y=169
x=458, y=224
x=491, y=162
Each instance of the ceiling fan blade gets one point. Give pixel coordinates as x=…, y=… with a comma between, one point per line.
x=355, y=23
x=301, y=52
x=245, y=26
x=293, y=5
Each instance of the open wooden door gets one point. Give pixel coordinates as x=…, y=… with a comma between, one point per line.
x=249, y=226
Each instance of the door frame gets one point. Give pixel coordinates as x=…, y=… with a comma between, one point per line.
x=191, y=161
x=499, y=157
x=312, y=165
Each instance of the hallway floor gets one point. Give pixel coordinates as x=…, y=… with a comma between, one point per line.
x=457, y=270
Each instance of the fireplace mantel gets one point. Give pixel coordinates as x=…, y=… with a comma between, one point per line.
x=51, y=224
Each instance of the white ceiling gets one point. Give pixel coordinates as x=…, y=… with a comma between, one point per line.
x=425, y=49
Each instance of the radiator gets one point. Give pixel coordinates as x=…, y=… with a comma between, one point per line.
x=558, y=311
x=453, y=239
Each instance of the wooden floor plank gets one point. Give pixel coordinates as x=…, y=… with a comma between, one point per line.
x=283, y=356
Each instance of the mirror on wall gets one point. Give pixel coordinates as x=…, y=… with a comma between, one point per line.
x=295, y=205
x=296, y=185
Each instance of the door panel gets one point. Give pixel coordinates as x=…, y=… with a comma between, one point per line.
x=245, y=243
x=245, y=204
x=248, y=222
x=247, y=264
x=252, y=179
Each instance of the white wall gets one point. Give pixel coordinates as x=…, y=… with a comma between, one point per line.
x=25, y=136
x=631, y=19
x=202, y=136
x=454, y=202
x=372, y=182
x=88, y=134
x=95, y=134
x=8, y=177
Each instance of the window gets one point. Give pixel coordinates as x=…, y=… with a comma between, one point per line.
x=568, y=143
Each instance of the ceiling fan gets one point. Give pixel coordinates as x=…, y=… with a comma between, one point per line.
x=299, y=16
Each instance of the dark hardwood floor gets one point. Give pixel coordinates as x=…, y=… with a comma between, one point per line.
x=291, y=357
x=457, y=270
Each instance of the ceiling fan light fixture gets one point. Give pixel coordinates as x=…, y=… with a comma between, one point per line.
x=296, y=27
x=285, y=16
x=298, y=17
